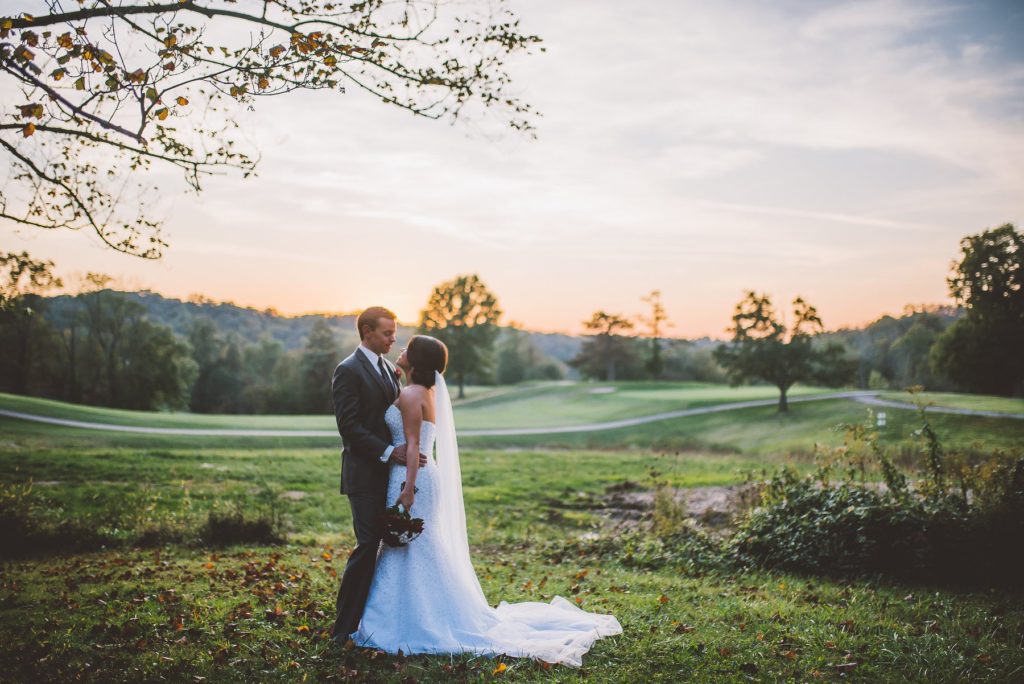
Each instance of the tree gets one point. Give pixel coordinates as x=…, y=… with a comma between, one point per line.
x=910, y=353
x=658, y=318
x=159, y=366
x=110, y=89
x=108, y=316
x=23, y=329
x=762, y=348
x=981, y=351
x=218, y=382
x=261, y=392
x=463, y=314
x=518, y=359
x=606, y=350
x=513, y=356
x=318, y=361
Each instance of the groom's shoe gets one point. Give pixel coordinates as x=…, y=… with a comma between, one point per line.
x=339, y=637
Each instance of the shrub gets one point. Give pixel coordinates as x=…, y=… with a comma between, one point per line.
x=225, y=528
x=960, y=521
x=29, y=525
x=234, y=524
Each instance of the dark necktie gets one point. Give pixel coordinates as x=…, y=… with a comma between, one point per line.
x=386, y=375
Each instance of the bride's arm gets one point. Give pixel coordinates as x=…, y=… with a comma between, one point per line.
x=410, y=402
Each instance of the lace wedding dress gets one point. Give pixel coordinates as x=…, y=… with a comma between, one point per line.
x=426, y=598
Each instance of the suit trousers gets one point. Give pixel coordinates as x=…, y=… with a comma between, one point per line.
x=355, y=582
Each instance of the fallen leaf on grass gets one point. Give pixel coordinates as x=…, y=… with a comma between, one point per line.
x=725, y=651
x=984, y=659
x=789, y=655
x=684, y=629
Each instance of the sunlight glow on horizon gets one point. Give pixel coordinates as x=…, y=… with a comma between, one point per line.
x=835, y=151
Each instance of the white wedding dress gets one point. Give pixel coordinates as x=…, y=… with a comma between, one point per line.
x=425, y=597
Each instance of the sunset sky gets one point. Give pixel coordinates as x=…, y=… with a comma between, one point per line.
x=837, y=151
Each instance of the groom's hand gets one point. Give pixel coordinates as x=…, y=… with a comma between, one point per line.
x=398, y=456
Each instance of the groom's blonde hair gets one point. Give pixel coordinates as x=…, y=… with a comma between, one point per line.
x=371, y=318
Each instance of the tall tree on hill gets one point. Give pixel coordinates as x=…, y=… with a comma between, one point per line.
x=107, y=90
x=606, y=349
x=207, y=351
x=655, y=365
x=24, y=331
x=318, y=361
x=159, y=365
x=762, y=348
x=108, y=315
x=981, y=352
x=519, y=359
x=463, y=314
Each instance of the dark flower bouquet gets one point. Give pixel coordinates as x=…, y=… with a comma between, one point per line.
x=397, y=527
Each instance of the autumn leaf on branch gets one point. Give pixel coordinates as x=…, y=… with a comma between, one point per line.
x=100, y=78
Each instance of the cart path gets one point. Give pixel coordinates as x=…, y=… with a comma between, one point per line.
x=869, y=397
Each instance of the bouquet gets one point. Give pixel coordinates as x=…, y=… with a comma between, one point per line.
x=397, y=527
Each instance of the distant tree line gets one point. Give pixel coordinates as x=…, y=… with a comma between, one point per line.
x=141, y=351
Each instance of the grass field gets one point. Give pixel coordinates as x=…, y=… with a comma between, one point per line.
x=978, y=402
x=536, y=405
x=758, y=430
x=246, y=613
x=179, y=611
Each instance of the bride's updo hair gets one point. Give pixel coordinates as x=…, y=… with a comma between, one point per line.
x=426, y=355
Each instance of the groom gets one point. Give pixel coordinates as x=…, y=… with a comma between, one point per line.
x=364, y=385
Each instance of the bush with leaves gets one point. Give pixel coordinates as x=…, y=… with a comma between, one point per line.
x=859, y=513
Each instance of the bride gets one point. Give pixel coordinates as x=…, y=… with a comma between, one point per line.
x=425, y=597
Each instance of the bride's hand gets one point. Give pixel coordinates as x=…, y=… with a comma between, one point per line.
x=406, y=497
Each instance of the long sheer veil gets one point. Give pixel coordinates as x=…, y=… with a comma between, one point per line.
x=452, y=511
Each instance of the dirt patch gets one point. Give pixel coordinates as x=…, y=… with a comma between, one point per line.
x=627, y=504
x=294, y=495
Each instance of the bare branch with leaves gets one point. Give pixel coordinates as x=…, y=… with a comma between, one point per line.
x=101, y=92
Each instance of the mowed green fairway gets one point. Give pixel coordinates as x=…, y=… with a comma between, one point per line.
x=758, y=430
x=978, y=402
x=525, y=406
x=583, y=403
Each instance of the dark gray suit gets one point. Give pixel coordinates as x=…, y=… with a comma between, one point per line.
x=361, y=396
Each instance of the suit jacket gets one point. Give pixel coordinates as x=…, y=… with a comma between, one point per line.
x=361, y=396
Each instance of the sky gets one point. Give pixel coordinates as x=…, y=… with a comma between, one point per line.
x=836, y=151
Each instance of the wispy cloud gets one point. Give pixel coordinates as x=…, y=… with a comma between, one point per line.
x=754, y=144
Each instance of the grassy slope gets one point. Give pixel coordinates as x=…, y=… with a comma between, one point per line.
x=968, y=401
x=755, y=431
x=547, y=406
x=542, y=405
